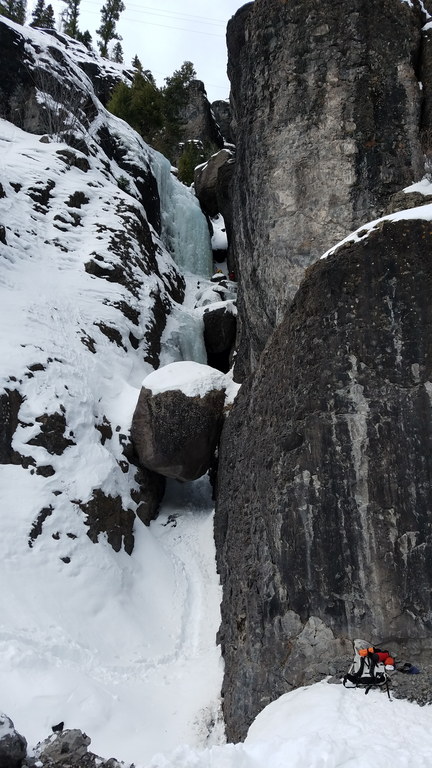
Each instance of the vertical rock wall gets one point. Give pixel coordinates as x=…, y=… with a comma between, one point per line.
x=327, y=110
x=323, y=522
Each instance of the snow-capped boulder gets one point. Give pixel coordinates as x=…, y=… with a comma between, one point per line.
x=13, y=746
x=178, y=418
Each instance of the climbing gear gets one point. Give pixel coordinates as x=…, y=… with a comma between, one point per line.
x=368, y=669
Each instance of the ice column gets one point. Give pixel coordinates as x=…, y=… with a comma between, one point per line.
x=184, y=227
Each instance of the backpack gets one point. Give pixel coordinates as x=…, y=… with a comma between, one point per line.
x=368, y=669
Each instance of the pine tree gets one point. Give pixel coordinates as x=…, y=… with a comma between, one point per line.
x=140, y=105
x=110, y=15
x=70, y=18
x=86, y=38
x=38, y=13
x=43, y=17
x=136, y=64
x=117, y=54
x=49, y=20
x=15, y=10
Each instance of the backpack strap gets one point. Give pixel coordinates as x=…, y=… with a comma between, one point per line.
x=356, y=676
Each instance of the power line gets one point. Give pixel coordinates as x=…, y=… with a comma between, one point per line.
x=168, y=14
x=167, y=26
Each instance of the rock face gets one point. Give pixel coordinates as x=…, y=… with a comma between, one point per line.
x=13, y=746
x=212, y=183
x=197, y=118
x=327, y=108
x=176, y=435
x=223, y=116
x=323, y=522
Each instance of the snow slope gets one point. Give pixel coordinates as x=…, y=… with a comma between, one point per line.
x=323, y=726
x=120, y=646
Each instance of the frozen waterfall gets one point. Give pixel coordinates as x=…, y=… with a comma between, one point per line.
x=185, y=232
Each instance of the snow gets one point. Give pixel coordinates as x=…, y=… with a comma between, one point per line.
x=219, y=239
x=323, y=726
x=122, y=647
x=193, y=379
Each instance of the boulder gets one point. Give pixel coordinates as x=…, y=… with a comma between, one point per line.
x=178, y=418
x=66, y=748
x=219, y=335
x=13, y=746
x=207, y=187
x=323, y=521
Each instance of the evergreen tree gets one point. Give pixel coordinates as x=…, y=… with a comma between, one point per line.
x=140, y=105
x=136, y=64
x=42, y=16
x=15, y=10
x=110, y=15
x=70, y=18
x=117, y=54
x=38, y=13
x=49, y=20
x=86, y=38
x=175, y=97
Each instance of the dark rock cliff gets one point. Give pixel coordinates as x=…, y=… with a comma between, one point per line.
x=327, y=111
x=323, y=523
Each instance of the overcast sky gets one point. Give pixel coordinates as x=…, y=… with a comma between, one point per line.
x=165, y=33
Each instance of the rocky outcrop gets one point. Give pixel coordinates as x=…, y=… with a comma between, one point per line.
x=223, y=116
x=175, y=432
x=198, y=123
x=327, y=108
x=212, y=182
x=13, y=746
x=220, y=325
x=68, y=749
x=323, y=524
x=206, y=181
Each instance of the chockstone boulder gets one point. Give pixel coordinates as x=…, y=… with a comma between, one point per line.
x=178, y=419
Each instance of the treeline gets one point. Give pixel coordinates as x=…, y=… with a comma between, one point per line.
x=43, y=17
x=157, y=115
